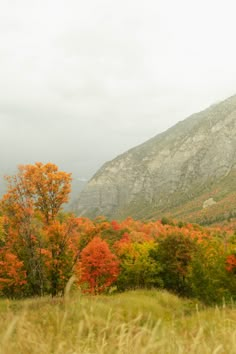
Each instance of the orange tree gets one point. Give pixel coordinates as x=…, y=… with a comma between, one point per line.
x=12, y=274
x=41, y=187
x=31, y=205
x=61, y=252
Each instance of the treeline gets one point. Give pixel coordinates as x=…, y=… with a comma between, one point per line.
x=41, y=247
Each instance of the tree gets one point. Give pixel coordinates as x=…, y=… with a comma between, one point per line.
x=41, y=187
x=60, y=253
x=175, y=252
x=138, y=269
x=22, y=236
x=210, y=277
x=98, y=265
x=33, y=200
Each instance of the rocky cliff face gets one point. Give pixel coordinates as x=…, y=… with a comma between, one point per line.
x=167, y=171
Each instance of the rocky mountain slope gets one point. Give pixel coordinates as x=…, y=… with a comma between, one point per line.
x=187, y=171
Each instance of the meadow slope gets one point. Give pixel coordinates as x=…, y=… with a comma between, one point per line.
x=143, y=322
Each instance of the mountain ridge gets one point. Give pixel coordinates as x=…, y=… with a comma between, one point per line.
x=168, y=170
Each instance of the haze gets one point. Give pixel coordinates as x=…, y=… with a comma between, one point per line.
x=83, y=81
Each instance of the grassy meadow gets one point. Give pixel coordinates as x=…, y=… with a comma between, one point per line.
x=138, y=322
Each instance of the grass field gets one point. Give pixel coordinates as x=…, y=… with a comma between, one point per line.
x=135, y=322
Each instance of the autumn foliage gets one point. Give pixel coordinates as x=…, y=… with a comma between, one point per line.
x=41, y=246
x=13, y=275
x=37, y=188
x=30, y=207
x=99, y=267
x=231, y=263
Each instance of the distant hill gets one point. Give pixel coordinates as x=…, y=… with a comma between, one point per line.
x=187, y=172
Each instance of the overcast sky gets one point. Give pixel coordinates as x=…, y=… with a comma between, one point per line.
x=82, y=81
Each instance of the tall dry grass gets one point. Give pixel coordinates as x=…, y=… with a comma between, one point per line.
x=136, y=322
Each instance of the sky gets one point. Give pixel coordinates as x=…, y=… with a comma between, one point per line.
x=83, y=81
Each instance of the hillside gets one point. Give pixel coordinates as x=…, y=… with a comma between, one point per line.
x=187, y=172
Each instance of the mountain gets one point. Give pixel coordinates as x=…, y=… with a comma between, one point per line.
x=187, y=172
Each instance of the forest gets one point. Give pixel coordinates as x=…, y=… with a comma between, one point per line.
x=42, y=247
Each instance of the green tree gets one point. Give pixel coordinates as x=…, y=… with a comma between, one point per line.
x=174, y=253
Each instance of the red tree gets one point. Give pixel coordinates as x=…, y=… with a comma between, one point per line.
x=231, y=263
x=99, y=266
